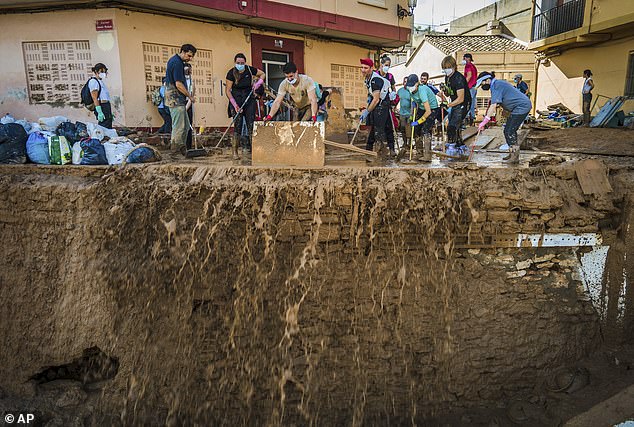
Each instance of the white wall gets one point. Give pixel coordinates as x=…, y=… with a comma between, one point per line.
x=427, y=59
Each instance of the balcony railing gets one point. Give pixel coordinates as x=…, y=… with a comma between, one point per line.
x=568, y=16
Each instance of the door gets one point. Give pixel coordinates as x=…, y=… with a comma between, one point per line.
x=272, y=63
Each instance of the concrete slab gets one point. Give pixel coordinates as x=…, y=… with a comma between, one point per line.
x=299, y=144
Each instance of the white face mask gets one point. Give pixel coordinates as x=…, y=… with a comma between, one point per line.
x=464, y=62
x=412, y=89
x=447, y=71
x=102, y=76
x=386, y=68
x=293, y=81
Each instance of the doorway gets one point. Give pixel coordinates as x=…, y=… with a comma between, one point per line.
x=272, y=63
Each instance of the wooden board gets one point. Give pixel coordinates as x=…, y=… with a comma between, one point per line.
x=296, y=144
x=350, y=147
x=593, y=177
x=483, y=140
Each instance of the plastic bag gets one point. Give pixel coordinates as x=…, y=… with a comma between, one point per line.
x=94, y=152
x=117, y=151
x=142, y=155
x=67, y=130
x=35, y=127
x=12, y=143
x=99, y=132
x=59, y=150
x=81, y=131
x=77, y=153
x=51, y=123
x=37, y=149
x=7, y=119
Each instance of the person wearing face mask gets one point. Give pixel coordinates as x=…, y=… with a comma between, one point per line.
x=457, y=89
x=520, y=84
x=241, y=80
x=504, y=94
x=301, y=89
x=101, y=96
x=390, y=126
x=177, y=95
x=471, y=74
x=424, y=97
x=377, y=114
x=405, y=111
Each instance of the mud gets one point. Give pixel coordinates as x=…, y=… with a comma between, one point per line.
x=235, y=295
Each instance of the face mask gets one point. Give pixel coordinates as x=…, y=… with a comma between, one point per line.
x=464, y=62
x=412, y=89
x=102, y=76
x=447, y=71
x=240, y=67
x=293, y=81
x=486, y=86
x=385, y=68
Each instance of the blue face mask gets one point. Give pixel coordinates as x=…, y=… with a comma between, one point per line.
x=240, y=67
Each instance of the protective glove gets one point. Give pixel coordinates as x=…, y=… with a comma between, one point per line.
x=392, y=96
x=418, y=122
x=314, y=119
x=364, y=115
x=258, y=84
x=267, y=118
x=235, y=104
x=100, y=115
x=483, y=123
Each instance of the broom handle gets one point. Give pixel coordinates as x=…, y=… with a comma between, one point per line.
x=234, y=119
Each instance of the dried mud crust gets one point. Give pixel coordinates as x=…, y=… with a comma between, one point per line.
x=604, y=141
x=236, y=296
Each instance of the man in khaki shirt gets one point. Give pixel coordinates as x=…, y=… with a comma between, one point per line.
x=301, y=89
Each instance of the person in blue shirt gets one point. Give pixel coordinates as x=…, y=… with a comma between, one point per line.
x=177, y=95
x=164, y=112
x=520, y=84
x=422, y=95
x=405, y=111
x=506, y=95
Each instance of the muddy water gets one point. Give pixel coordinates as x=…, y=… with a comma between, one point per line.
x=235, y=296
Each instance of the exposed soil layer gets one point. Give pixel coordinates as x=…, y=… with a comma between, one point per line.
x=345, y=296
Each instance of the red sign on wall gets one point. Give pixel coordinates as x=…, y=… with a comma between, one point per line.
x=104, y=25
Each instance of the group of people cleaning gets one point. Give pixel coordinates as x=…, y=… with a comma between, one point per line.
x=421, y=104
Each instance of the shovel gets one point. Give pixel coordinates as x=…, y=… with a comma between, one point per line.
x=355, y=133
x=195, y=152
x=234, y=119
x=411, y=143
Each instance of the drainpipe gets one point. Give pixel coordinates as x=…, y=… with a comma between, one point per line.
x=537, y=63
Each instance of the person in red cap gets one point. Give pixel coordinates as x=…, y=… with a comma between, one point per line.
x=377, y=113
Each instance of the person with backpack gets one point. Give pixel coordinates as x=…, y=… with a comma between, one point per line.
x=100, y=95
x=241, y=81
x=163, y=110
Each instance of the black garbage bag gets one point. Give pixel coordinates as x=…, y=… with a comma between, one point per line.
x=94, y=153
x=81, y=131
x=67, y=130
x=12, y=143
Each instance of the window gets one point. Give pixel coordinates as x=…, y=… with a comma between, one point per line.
x=629, y=76
x=272, y=63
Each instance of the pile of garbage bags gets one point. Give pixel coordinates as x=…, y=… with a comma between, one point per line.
x=58, y=141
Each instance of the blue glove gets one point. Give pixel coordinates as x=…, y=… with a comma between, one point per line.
x=100, y=115
x=414, y=123
x=364, y=115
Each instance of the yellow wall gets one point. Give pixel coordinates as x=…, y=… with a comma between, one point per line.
x=360, y=9
x=58, y=26
x=563, y=79
x=609, y=13
x=126, y=62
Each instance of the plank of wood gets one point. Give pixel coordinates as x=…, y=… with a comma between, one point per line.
x=593, y=177
x=483, y=140
x=350, y=147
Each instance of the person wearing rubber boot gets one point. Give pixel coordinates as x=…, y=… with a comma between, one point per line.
x=241, y=80
x=377, y=113
x=302, y=90
x=390, y=134
x=519, y=105
x=457, y=89
x=424, y=97
x=177, y=95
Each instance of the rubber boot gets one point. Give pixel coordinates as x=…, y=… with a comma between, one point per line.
x=381, y=149
x=426, y=156
x=513, y=157
x=235, y=146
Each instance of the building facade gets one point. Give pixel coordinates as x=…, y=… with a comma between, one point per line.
x=51, y=46
x=573, y=35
